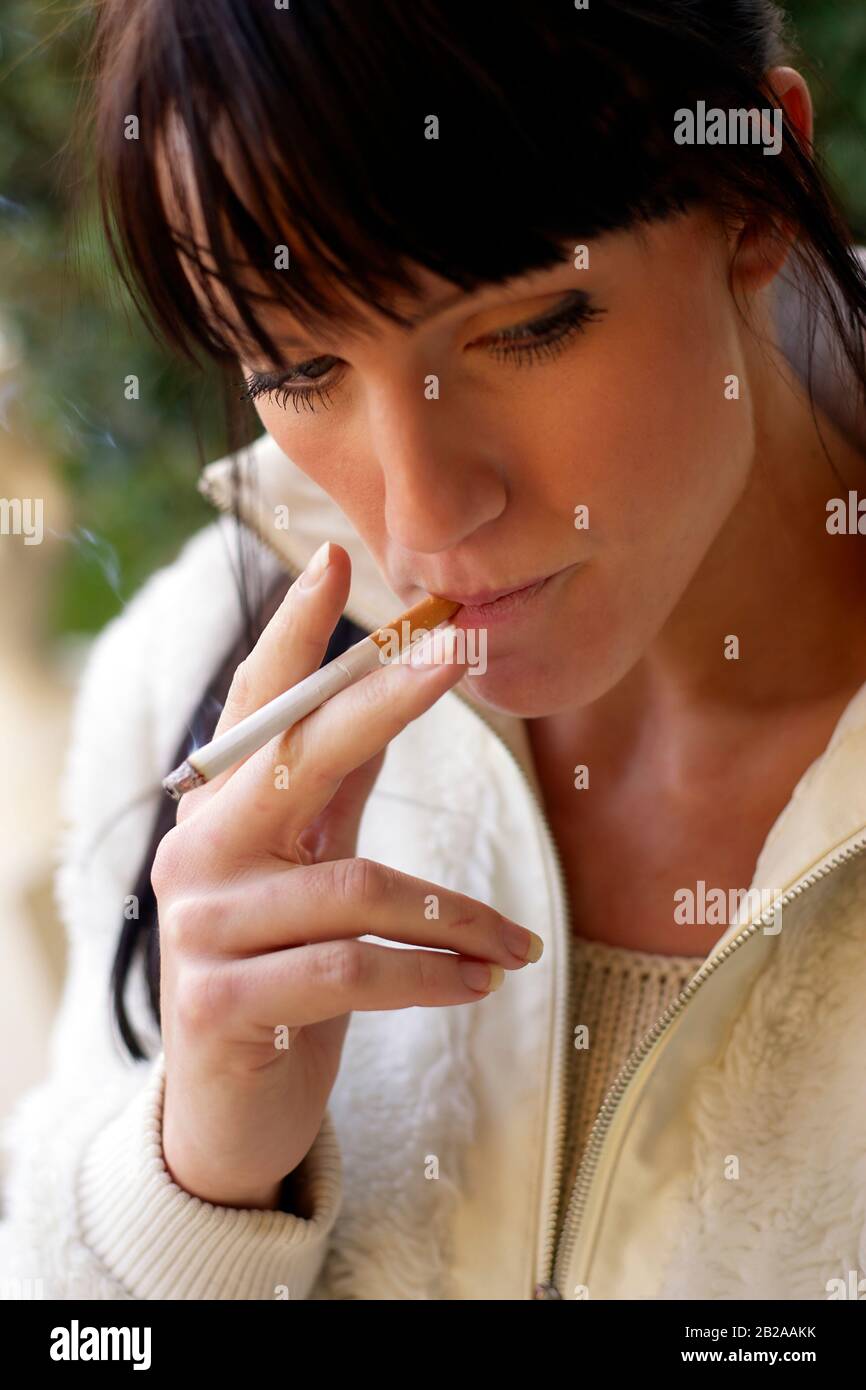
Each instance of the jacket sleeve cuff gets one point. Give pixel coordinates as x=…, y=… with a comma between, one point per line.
x=160, y=1242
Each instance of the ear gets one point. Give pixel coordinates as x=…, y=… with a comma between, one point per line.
x=763, y=250
x=793, y=95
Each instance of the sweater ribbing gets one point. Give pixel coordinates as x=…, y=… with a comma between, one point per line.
x=617, y=996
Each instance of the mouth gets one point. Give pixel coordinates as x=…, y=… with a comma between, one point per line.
x=488, y=605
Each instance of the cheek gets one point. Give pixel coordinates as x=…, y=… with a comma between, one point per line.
x=315, y=445
x=333, y=454
x=664, y=453
x=660, y=457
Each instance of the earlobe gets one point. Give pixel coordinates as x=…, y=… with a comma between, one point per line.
x=761, y=252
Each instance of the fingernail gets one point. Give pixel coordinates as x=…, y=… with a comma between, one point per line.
x=522, y=942
x=316, y=566
x=436, y=648
x=482, y=977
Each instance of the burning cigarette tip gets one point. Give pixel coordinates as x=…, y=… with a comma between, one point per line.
x=183, y=779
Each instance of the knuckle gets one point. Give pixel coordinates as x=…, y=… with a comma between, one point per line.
x=369, y=693
x=358, y=879
x=168, y=862
x=184, y=925
x=427, y=976
x=378, y=691
x=206, y=995
x=340, y=967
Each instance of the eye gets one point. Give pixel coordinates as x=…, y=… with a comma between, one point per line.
x=286, y=387
x=547, y=336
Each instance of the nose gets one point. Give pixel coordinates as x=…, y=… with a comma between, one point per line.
x=443, y=479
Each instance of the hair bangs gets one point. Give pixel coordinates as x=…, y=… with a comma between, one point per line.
x=340, y=164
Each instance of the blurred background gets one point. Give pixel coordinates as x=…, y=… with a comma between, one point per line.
x=118, y=476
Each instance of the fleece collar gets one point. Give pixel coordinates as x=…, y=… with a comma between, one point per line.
x=292, y=515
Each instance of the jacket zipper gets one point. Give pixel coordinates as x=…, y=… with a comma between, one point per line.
x=589, y=1166
x=556, y=1255
x=562, y=1016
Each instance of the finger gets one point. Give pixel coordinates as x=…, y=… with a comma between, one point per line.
x=343, y=899
x=291, y=646
x=309, y=984
x=283, y=787
x=333, y=834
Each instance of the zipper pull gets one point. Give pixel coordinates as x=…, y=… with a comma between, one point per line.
x=546, y=1291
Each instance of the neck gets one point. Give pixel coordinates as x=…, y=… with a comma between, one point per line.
x=792, y=593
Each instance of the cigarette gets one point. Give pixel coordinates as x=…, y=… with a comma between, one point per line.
x=281, y=713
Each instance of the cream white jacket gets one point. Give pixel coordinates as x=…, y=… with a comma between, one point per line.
x=729, y=1160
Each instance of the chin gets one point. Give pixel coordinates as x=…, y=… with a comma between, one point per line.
x=547, y=676
x=513, y=685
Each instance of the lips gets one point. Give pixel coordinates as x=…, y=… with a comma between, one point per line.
x=483, y=596
x=506, y=608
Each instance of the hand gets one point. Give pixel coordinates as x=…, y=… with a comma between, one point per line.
x=262, y=902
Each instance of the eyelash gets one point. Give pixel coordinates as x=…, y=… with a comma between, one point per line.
x=556, y=332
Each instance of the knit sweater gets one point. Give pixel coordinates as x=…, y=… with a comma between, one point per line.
x=617, y=996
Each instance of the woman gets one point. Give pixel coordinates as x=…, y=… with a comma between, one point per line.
x=380, y=218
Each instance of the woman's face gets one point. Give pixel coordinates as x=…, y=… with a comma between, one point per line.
x=475, y=482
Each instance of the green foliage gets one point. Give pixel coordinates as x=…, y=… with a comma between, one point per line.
x=130, y=466
x=832, y=39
